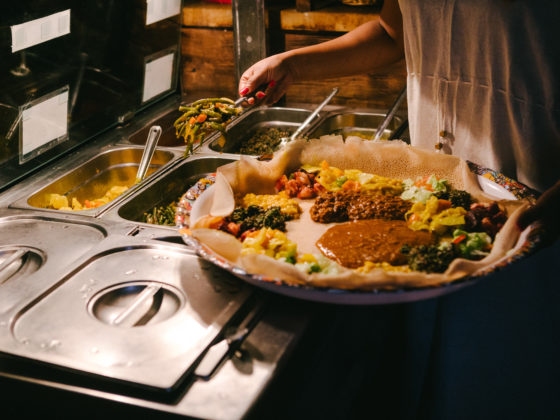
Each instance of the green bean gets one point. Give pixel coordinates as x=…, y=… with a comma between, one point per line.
x=182, y=118
x=218, y=111
x=207, y=101
x=187, y=132
x=216, y=126
x=181, y=124
x=182, y=130
x=228, y=110
x=189, y=148
x=161, y=215
x=190, y=133
x=211, y=113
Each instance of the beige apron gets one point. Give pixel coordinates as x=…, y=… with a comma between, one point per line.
x=483, y=79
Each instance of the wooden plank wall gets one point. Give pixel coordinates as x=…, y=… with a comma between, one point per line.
x=362, y=91
x=308, y=5
x=208, y=61
x=208, y=54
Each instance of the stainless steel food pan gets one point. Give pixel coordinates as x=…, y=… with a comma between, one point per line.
x=246, y=126
x=362, y=124
x=135, y=313
x=93, y=179
x=165, y=189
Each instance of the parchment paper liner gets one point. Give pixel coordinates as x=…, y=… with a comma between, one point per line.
x=393, y=159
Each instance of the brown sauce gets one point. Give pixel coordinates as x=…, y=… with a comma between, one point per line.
x=341, y=206
x=351, y=244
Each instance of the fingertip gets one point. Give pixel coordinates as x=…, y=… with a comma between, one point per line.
x=272, y=83
x=244, y=91
x=260, y=95
x=251, y=101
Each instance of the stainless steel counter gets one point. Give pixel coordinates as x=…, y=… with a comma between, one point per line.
x=98, y=304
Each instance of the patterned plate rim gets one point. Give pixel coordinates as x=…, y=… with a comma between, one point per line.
x=530, y=245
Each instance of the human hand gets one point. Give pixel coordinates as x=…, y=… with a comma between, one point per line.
x=546, y=212
x=272, y=72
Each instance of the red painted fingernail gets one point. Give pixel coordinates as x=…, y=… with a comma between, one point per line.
x=272, y=83
x=244, y=91
x=260, y=95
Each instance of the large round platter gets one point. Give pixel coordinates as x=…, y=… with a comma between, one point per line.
x=492, y=182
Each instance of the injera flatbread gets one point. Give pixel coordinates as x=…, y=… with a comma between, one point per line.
x=393, y=159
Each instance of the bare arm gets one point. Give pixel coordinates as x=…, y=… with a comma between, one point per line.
x=369, y=47
x=365, y=49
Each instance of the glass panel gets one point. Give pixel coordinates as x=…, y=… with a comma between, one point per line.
x=98, y=50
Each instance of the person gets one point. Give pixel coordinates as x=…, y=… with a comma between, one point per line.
x=482, y=84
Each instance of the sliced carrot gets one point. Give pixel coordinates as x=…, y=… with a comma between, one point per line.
x=233, y=228
x=423, y=182
x=201, y=118
x=192, y=120
x=459, y=239
x=351, y=185
x=415, y=217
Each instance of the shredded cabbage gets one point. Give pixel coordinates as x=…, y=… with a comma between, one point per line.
x=312, y=263
x=416, y=194
x=423, y=188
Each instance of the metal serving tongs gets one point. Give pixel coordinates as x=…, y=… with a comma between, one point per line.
x=149, y=149
x=390, y=114
x=250, y=95
x=303, y=126
x=206, y=120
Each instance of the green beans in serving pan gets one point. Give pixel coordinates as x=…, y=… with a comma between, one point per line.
x=202, y=116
